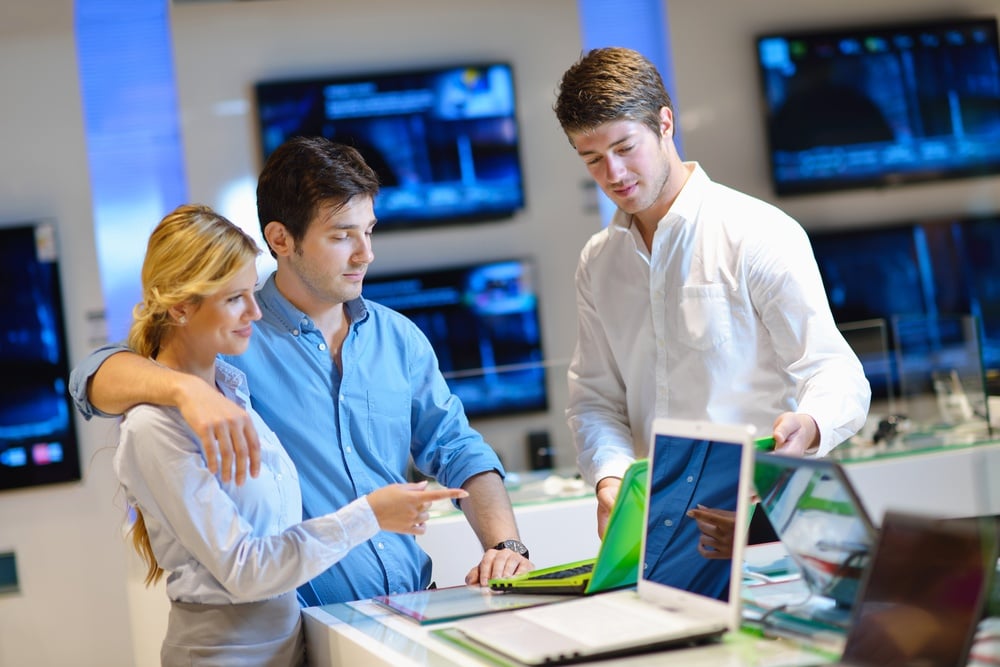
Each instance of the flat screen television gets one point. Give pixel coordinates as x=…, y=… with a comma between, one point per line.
x=443, y=141
x=38, y=442
x=881, y=105
x=483, y=323
x=904, y=274
x=980, y=247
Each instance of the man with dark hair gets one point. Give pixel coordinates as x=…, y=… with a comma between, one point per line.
x=351, y=388
x=696, y=302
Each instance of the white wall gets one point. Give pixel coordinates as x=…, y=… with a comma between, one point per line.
x=71, y=609
x=74, y=605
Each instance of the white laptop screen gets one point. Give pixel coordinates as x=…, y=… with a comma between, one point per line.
x=695, y=464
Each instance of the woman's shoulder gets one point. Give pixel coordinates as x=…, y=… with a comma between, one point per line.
x=155, y=424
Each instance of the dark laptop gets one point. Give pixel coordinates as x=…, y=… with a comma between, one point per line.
x=924, y=593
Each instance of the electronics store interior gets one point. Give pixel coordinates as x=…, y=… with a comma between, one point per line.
x=875, y=126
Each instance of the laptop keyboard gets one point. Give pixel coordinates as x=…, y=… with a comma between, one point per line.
x=603, y=619
x=568, y=572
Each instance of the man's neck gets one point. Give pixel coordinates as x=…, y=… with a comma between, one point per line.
x=329, y=318
x=647, y=221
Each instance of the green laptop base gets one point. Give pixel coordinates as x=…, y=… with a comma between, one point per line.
x=617, y=562
x=540, y=581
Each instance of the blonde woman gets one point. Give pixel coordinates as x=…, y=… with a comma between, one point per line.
x=234, y=554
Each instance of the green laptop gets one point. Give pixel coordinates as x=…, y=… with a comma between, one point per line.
x=617, y=561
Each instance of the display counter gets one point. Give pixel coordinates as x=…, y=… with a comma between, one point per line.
x=364, y=633
x=944, y=477
x=950, y=479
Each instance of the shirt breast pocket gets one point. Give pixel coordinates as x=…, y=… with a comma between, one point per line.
x=389, y=423
x=706, y=316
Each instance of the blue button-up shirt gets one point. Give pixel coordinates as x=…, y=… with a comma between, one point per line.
x=353, y=432
x=685, y=474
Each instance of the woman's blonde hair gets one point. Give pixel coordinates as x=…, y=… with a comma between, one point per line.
x=191, y=253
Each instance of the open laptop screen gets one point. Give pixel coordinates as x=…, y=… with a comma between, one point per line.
x=695, y=464
x=924, y=592
x=820, y=521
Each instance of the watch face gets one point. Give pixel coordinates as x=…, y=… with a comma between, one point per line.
x=514, y=546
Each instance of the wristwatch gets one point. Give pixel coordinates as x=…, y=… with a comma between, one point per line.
x=514, y=546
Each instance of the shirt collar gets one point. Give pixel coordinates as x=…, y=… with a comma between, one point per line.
x=690, y=197
x=357, y=310
x=278, y=307
x=230, y=379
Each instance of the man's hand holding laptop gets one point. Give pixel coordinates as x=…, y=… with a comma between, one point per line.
x=795, y=434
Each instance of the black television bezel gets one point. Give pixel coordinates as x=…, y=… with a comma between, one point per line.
x=887, y=179
x=69, y=469
x=387, y=224
x=471, y=412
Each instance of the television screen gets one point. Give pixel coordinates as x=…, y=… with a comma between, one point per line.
x=981, y=254
x=443, y=141
x=38, y=443
x=881, y=105
x=483, y=323
x=908, y=275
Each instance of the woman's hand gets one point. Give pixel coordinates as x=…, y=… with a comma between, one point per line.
x=404, y=508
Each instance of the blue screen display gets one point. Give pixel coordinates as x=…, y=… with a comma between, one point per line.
x=881, y=105
x=919, y=276
x=483, y=324
x=38, y=443
x=444, y=141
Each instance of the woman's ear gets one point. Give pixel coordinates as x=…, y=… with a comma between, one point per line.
x=179, y=313
x=278, y=239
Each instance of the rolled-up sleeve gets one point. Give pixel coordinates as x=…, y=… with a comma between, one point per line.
x=81, y=374
x=446, y=444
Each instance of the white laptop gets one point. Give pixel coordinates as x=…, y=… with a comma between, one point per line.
x=681, y=597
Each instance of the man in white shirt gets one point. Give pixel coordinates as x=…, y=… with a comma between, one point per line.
x=697, y=301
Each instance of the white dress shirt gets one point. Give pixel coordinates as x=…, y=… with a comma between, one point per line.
x=725, y=320
x=222, y=543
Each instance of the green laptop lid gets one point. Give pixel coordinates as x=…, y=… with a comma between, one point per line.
x=618, y=561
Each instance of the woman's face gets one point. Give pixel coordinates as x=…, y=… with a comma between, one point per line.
x=222, y=322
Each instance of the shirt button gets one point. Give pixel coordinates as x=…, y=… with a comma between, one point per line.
x=278, y=477
x=668, y=523
x=690, y=478
x=322, y=347
x=295, y=332
x=347, y=449
x=381, y=546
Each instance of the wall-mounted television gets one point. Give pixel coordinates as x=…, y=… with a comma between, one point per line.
x=920, y=277
x=980, y=247
x=38, y=442
x=483, y=323
x=444, y=141
x=881, y=105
